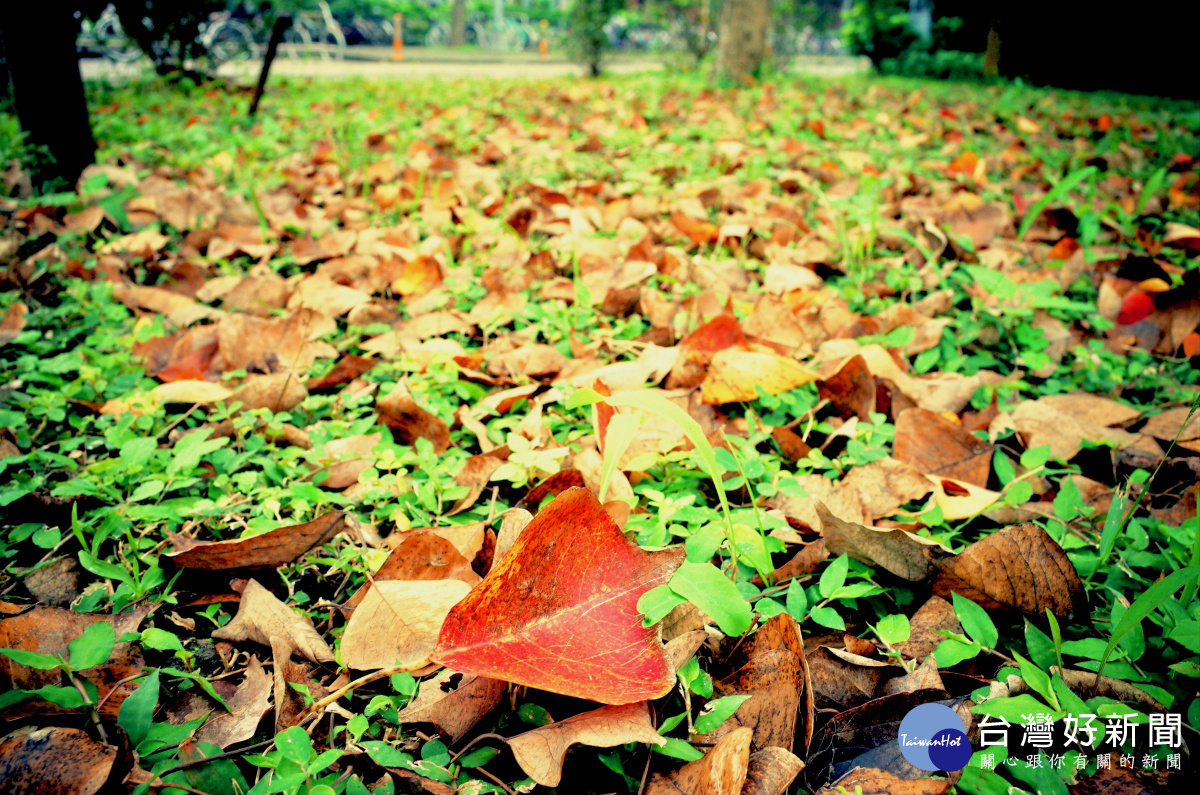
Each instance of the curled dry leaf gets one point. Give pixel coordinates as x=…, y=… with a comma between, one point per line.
x=1018, y=567
x=771, y=771
x=468, y=539
x=246, y=707
x=398, y=622
x=924, y=677
x=346, y=458
x=851, y=389
x=960, y=500
x=453, y=702
x=277, y=392
x=261, y=617
x=55, y=760
x=475, y=474
x=908, y=556
x=559, y=611
x=409, y=422
x=274, y=548
x=540, y=752
x=872, y=781
x=771, y=668
x=511, y=526
x=722, y=771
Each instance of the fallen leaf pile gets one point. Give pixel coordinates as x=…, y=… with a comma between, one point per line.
x=327, y=381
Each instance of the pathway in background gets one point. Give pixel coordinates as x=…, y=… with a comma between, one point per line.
x=373, y=63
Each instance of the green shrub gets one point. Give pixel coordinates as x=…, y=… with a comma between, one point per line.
x=877, y=29
x=940, y=65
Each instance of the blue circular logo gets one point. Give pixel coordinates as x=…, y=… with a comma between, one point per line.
x=933, y=737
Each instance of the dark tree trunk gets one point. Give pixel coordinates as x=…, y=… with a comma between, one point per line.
x=458, y=24
x=39, y=44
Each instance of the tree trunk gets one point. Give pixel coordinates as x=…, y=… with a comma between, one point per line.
x=458, y=24
x=991, y=62
x=742, y=39
x=39, y=44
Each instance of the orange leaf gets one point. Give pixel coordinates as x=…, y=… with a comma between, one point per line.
x=1136, y=307
x=963, y=164
x=559, y=611
x=1191, y=344
x=699, y=232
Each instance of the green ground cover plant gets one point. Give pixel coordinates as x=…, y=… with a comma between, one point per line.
x=886, y=390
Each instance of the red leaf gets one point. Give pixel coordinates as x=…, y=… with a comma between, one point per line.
x=559, y=611
x=1136, y=306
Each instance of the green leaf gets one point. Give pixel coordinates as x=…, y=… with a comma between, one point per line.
x=1054, y=194
x=1012, y=707
x=1005, y=471
x=893, y=629
x=161, y=640
x=102, y=568
x=137, y=711
x=671, y=722
x=678, y=749
x=1037, y=679
x=751, y=545
x=622, y=429
x=797, y=601
x=478, y=758
x=65, y=697
x=717, y=712
x=1039, y=645
x=1145, y=604
x=827, y=617
x=1035, y=457
x=294, y=744
x=976, y=622
x=93, y=647
x=834, y=576
x=1056, y=634
x=951, y=652
x=1113, y=523
x=656, y=603
x=42, y=662
x=705, y=586
x=385, y=754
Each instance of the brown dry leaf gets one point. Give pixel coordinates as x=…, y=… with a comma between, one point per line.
x=346, y=458
x=851, y=389
x=13, y=322
x=881, y=487
x=50, y=630
x=696, y=350
x=274, y=548
x=926, y=627
x=409, y=422
x=771, y=668
x=277, y=392
x=1065, y=422
x=468, y=539
x=55, y=584
x=453, y=702
x=190, y=391
x=924, y=677
x=540, y=752
x=514, y=521
x=475, y=474
x=734, y=373
x=936, y=445
x=55, y=761
x=291, y=681
x=534, y=361
x=326, y=296
x=261, y=617
x=246, y=708
x=908, y=556
x=1018, y=567
x=802, y=563
x=1112, y=780
x=1164, y=426
x=349, y=367
x=398, y=621
x=872, y=781
x=262, y=345
x=424, y=555
x=842, y=680
x=722, y=771
x=771, y=771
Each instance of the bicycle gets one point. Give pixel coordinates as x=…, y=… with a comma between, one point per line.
x=315, y=34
